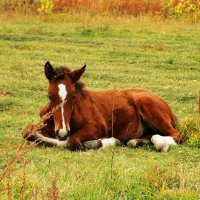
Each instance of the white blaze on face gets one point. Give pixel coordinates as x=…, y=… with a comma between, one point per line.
x=62, y=93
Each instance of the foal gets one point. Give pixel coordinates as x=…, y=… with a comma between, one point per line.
x=130, y=117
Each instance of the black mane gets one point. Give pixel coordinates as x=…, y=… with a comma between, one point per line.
x=60, y=75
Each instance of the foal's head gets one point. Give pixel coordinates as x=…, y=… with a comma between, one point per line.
x=63, y=85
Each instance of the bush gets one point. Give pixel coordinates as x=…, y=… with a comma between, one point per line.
x=45, y=7
x=18, y=6
x=164, y=8
x=120, y=7
x=182, y=8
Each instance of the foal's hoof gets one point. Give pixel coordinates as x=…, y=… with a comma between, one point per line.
x=162, y=143
x=93, y=144
x=27, y=133
x=132, y=143
x=138, y=142
x=110, y=142
x=164, y=147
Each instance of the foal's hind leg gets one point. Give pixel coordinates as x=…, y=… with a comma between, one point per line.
x=157, y=113
x=168, y=135
x=163, y=125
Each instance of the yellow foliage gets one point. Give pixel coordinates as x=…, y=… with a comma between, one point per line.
x=45, y=6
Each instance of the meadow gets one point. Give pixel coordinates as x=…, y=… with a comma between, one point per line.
x=120, y=52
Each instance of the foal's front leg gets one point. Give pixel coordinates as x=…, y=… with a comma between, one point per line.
x=50, y=141
x=90, y=138
x=88, y=133
x=93, y=144
x=85, y=138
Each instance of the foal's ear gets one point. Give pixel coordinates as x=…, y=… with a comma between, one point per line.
x=76, y=74
x=49, y=71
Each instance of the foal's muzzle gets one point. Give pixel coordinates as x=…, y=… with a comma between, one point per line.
x=62, y=134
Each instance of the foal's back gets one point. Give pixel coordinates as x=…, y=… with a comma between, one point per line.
x=124, y=114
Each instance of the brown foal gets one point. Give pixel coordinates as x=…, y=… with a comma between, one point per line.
x=92, y=119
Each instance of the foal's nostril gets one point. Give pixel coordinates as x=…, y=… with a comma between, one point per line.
x=62, y=138
x=68, y=133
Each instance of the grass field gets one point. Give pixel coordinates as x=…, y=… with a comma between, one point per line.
x=163, y=57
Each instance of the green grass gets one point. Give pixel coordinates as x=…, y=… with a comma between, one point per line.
x=120, y=53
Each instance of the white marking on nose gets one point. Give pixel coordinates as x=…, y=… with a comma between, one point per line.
x=62, y=93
